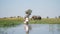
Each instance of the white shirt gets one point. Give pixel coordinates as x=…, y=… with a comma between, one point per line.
x=26, y=20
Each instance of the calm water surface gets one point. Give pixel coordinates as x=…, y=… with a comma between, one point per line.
x=36, y=29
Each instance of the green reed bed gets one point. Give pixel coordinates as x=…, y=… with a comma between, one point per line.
x=10, y=22
x=46, y=21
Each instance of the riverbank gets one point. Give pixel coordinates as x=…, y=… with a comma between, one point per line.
x=46, y=21
x=8, y=22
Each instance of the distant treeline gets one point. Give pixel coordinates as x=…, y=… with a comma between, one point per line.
x=33, y=17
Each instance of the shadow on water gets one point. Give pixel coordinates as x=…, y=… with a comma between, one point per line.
x=30, y=27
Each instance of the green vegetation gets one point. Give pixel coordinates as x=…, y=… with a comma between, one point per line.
x=46, y=21
x=8, y=22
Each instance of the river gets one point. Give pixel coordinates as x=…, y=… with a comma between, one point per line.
x=35, y=29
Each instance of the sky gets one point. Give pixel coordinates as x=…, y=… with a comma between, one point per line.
x=41, y=8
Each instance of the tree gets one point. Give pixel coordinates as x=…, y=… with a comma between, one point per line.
x=29, y=11
x=5, y=17
x=11, y=17
x=18, y=16
x=55, y=16
x=47, y=17
x=59, y=17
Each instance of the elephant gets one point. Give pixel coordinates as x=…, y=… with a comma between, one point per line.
x=36, y=17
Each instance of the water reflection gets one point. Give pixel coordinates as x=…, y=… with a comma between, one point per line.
x=3, y=31
x=51, y=28
x=58, y=27
x=36, y=29
x=54, y=28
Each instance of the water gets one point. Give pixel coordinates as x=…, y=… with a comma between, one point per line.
x=36, y=29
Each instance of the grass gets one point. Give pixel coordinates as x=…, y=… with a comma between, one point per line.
x=8, y=22
x=46, y=21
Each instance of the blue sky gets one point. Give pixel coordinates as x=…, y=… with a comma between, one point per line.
x=41, y=8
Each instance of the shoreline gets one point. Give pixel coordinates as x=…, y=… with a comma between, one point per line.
x=12, y=22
